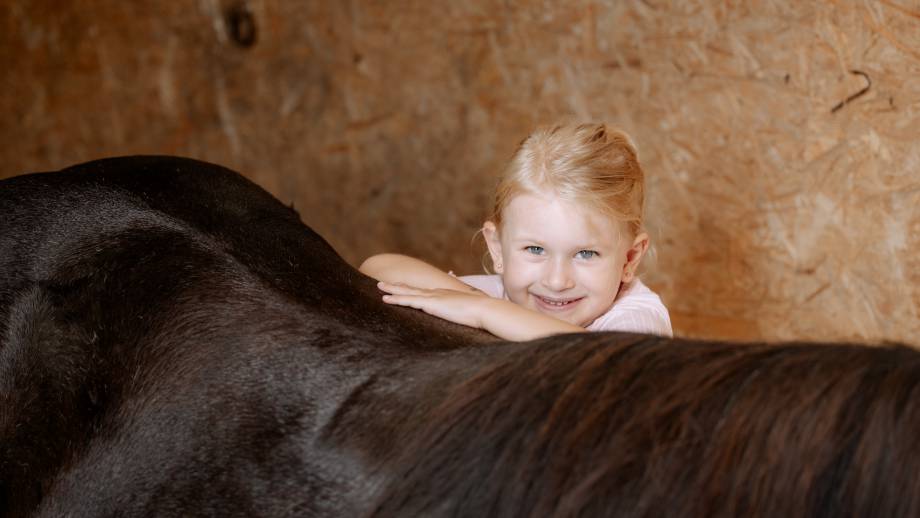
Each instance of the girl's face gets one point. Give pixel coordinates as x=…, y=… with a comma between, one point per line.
x=562, y=259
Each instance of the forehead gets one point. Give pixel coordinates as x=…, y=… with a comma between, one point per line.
x=544, y=216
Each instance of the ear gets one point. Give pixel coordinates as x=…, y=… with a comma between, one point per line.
x=493, y=241
x=634, y=256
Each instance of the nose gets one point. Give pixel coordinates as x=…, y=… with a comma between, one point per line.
x=558, y=275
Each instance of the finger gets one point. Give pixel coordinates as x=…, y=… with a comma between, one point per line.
x=399, y=288
x=410, y=301
x=387, y=283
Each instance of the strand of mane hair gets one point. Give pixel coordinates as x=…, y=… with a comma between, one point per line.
x=627, y=425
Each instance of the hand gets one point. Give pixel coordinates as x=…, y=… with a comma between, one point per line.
x=461, y=307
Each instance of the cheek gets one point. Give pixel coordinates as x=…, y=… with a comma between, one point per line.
x=520, y=274
x=517, y=285
x=604, y=279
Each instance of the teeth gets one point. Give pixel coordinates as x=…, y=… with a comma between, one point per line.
x=555, y=302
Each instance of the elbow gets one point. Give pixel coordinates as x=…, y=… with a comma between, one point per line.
x=370, y=266
x=376, y=266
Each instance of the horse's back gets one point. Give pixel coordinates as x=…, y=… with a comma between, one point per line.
x=175, y=341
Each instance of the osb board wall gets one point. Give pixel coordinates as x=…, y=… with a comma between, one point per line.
x=778, y=209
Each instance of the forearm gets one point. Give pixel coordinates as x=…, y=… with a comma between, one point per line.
x=473, y=308
x=396, y=268
x=507, y=320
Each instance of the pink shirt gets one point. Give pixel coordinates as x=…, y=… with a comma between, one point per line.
x=636, y=308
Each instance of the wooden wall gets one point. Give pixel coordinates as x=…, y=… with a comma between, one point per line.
x=778, y=208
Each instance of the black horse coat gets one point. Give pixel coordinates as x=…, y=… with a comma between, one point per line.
x=175, y=342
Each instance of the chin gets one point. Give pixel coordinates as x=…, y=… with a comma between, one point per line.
x=570, y=320
x=582, y=323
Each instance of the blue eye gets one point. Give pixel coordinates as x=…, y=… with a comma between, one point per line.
x=535, y=250
x=586, y=254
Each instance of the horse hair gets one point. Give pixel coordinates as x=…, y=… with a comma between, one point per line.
x=175, y=342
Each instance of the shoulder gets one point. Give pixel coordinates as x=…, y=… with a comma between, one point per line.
x=491, y=285
x=637, y=310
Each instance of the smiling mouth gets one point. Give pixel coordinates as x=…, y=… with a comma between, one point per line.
x=557, y=304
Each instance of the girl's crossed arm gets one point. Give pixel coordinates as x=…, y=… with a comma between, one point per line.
x=473, y=308
x=396, y=268
x=417, y=284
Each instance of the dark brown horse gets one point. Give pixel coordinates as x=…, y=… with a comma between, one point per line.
x=174, y=342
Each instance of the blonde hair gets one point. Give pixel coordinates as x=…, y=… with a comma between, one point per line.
x=586, y=163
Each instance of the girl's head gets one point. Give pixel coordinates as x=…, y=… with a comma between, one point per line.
x=566, y=228
x=587, y=164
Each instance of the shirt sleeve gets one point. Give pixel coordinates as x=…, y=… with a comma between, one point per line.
x=640, y=311
x=491, y=285
x=642, y=320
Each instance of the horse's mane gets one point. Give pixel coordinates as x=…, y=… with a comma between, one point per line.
x=643, y=426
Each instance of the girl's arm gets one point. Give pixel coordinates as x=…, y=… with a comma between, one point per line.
x=395, y=268
x=500, y=317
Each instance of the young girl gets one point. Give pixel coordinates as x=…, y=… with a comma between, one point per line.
x=565, y=238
